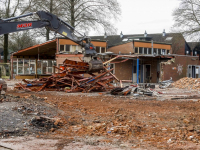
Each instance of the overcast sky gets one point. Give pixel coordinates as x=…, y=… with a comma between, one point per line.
x=150, y=15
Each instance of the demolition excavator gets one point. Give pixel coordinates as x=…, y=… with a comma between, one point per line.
x=54, y=23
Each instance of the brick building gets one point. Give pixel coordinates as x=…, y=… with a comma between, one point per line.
x=143, y=58
x=151, y=58
x=39, y=60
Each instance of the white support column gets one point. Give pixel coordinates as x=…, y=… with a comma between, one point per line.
x=99, y=49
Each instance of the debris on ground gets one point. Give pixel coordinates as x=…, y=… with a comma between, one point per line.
x=125, y=122
x=165, y=84
x=74, y=77
x=136, y=90
x=187, y=83
x=123, y=91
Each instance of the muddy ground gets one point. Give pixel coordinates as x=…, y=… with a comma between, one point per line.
x=101, y=121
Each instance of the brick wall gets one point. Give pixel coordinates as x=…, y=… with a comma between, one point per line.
x=123, y=70
x=177, y=67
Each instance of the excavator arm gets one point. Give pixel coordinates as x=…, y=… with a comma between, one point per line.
x=51, y=22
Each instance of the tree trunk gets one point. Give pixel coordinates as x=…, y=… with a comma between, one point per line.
x=50, y=10
x=72, y=14
x=5, y=48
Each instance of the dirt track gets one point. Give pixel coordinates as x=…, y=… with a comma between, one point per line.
x=102, y=121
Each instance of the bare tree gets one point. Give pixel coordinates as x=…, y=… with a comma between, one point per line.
x=92, y=14
x=11, y=8
x=52, y=6
x=84, y=15
x=21, y=40
x=187, y=18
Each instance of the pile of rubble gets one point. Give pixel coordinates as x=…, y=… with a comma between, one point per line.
x=73, y=77
x=187, y=83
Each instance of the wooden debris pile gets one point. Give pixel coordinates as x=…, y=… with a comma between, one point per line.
x=73, y=77
x=187, y=83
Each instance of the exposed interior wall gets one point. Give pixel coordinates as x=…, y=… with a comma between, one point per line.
x=177, y=67
x=123, y=71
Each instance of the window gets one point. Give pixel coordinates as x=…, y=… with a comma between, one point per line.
x=149, y=50
x=73, y=48
x=32, y=66
x=103, y=50
x=26, y=66
x=140, y=50
x=163, y=51
x=20, y=66
x=167, y=51
x=154, y=51
x=39, y=67
x=98, y=49
x=67, y=48
x=136, y=49
x=14, y=66
x=62, y=48
x=159, y=51
x=145, y=50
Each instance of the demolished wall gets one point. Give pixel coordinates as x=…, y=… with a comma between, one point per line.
x=177, y=67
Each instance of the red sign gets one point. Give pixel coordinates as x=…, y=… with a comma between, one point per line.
x=24, y=25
